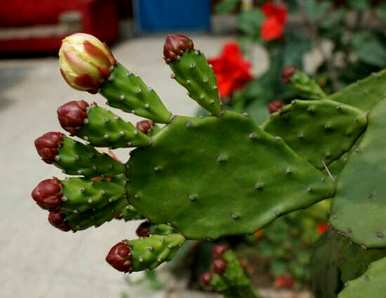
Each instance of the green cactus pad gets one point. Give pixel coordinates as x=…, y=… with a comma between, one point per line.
x=306, y=87
x=320, y=130
x=211, y=177
x=150, y=252
x=364, y=94
x=336, y=260
x=233, y=283
x=89, y=203
x=126, y=91
x=359, y=207
x=371, y=284
x=75, y=158
x=104, y=129
x=194, y=73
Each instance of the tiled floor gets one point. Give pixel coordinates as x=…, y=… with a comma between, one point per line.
x=37, y=261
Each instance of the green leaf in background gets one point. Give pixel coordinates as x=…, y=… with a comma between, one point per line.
x=381, y=12
x=369, y=49
x=315, y=9
x=358, y=4
x=226, y=6
x=296, y=46
x=249, y=22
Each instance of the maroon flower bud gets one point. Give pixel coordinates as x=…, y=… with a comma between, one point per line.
x=275, y=106
x=287, y=72
x=119, y=257
x=206, y=278
x=219, y=266
x=48, y=145
x=72, y=115
x=175, y=45
x=219, y=250
x=57, y=220
x=144, y=126
x=144, y=229
x=48, y=194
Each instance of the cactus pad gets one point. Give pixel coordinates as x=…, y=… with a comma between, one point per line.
x=370, y=284
x=320, y=130
x=211, y=177
x=361, y=191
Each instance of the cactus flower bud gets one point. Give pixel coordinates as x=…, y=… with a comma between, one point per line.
x=206, y=278
x=175, y=45
x=287, y=72
x=219, y=250
x=57, y=220
x=275, y=106
x=48, y=194
x=144, y=126
x=85, y=62
x=143, y=229
x=71, y=115
x=219, y=266
x=48, y=145
x=119, y=257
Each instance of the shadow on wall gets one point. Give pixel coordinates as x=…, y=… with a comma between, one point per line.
x=9, y=77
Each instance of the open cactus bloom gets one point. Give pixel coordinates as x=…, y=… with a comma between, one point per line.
x=190, y=177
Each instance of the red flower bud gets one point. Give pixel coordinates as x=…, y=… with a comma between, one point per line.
x=48, y=194
x=119, y=257
x=219, y=250
x=284, y=282
x=275, y=106
x=58, y=221
x=175, y=45
x=71, y=115
x=219, y=266
x=206, y=278
x=48, y=145
x=143, y=230
x=287, y=73
x=144, y=126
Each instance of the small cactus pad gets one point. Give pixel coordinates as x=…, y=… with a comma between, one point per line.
x=318, y=130
x=370, y=284
x=211, y=177
x=193, y=72
x=150, y=252
x=230, y=278
x=75, y=158
x=126, y=91
x=305, y=86
x=361, y=191
x=104, y=129
x=364, y=94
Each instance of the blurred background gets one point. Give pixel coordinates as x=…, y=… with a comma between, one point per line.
x=248, y=43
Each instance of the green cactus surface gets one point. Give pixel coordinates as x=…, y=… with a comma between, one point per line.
x=306, y=87
x=361, y=192
x=319, y=130
x=193, y=72
x=127, y=91
x=75, y=158
x=212, y=177
x=370, y=284
x=364, y=94
x=150, y=252
x=337, y=260
x=104, y=129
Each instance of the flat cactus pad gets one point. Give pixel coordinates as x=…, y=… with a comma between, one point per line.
x=217, y=176
x=359, y=208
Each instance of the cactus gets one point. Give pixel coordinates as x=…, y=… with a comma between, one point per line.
x=370, y=284
x=208, y=177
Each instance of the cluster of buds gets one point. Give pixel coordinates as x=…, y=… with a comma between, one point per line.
x=120, y=257
x=175, y=46
x=219, y=265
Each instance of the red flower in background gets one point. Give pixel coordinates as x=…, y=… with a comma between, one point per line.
x=284, y=282
x=276, y=18
x=322, y=228
x=232, y=70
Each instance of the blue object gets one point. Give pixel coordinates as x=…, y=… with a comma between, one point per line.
x=172, y=15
